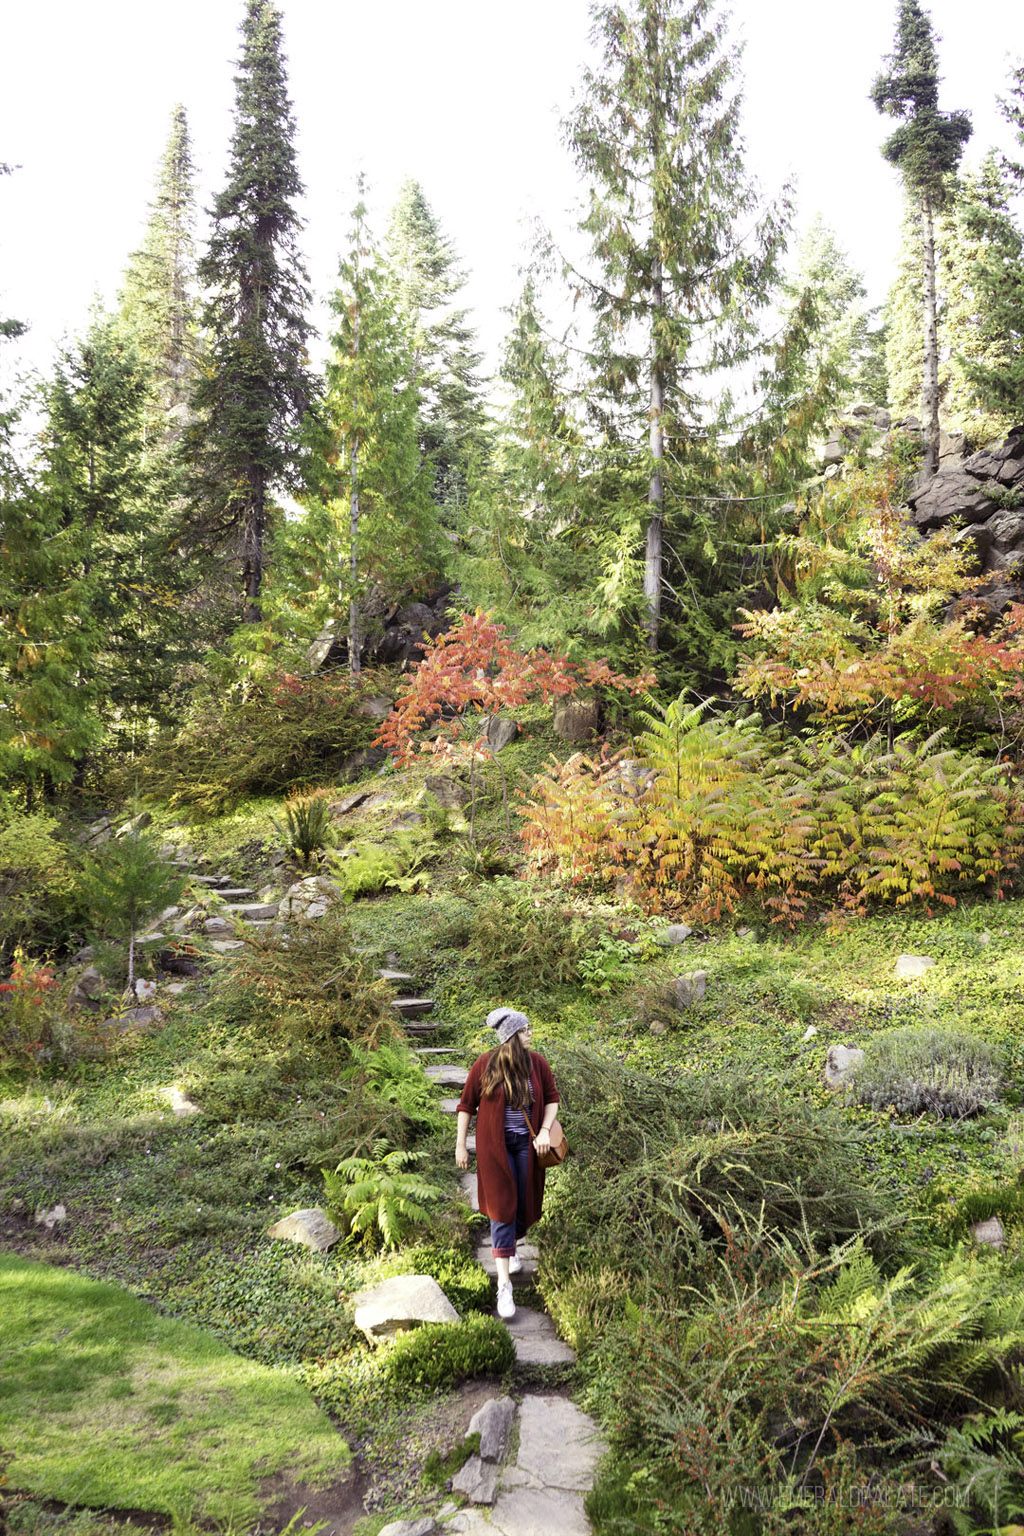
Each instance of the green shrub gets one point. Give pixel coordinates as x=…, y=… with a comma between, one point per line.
x=309, y=987
x=781, y=1387
x=440, y=1354
x=265, y=737
x=918, y=1069
x=39, y=902
x=519, y=930
x=364, y=869
x=664, y=1168
x=307, y=826
x=467, y=1286
x=395, y=1076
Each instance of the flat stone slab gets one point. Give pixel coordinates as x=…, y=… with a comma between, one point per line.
x=536, y=1512
x=492, y=1423
x=413, y=1007
x=235, y=892
x=312, y=1228
x=399, y=1303
x=226, y=946
x=421, y=1029
x=526, y=1251
x=478, y=1480
x=911, y=966
x=558, y=1445
x=447, y=1076
x=425, y=1527
x=253, y=909
x=536, y=1341
x=450, y=1106
x=397, y=978
x=467, y=1184
x=434, y=1050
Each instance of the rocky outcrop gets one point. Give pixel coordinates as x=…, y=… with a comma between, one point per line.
x=984, y=492
x=392, y=633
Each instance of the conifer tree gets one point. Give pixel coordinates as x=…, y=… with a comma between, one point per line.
x=381, y=522
x=82, y=643
x=841, y=347
x=681, y=256
x=904, y=306
x=996, y=371
x=255, y=389
x=124, y=884
x=445, y=356
x=926, y=150
x=158, y=297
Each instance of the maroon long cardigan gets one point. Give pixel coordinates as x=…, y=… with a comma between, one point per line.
x=496, y=1187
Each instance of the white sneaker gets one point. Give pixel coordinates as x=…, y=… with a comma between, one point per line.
x=515, y=1265
x=506, y=1304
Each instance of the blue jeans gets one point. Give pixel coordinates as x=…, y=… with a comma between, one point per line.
x=504, y=1233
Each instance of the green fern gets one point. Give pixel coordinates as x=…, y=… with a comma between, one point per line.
x=379, y=1200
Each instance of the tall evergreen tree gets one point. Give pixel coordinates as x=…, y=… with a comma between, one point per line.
x=256, y=387
x=997, y=371
x=681, y=256
x=446, y=358
x=842, y=346
x=83, y=644
x=158, y=298
x=904, y=306
x=926, y=150
x=377, y=523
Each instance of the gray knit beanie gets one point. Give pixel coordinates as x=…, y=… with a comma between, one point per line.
x=507, y=1022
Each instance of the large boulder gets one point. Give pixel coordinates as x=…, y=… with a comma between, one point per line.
x=577, y=720
x=448, y=792
x=501, y=729
x=840, y=1062
x=311, y=1228
x=394, y=1305
x=951, y=493
x=307, y=899
x=88, y=990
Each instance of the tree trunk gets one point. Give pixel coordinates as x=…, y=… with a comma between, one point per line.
x=656, y=491
x=353, y=563
x=254, y=530
x=353, y=527
x=930, y=391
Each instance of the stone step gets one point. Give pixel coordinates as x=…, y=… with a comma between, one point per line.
x=211, y=880
x=467, y=1184
x=447, y=1076
x=217, y=925
x=434, y=1050
x=253, y=909
x=537, y=1343
x=422, y=1029
x=235, y=892
x=226, y=946
x=449, y=1106
x=412, y=1007
x=526, y=1251
x=397, y=978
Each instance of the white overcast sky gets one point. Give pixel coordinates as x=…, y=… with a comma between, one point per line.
x=465, y=95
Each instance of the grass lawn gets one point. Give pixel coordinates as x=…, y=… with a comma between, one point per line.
x=103, y=1402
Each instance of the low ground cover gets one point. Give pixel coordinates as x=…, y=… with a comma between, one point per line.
x=722, y=1209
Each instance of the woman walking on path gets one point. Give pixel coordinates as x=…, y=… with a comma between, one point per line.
x=513, y=1094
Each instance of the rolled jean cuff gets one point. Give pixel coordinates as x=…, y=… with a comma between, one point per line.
x=503, y=1253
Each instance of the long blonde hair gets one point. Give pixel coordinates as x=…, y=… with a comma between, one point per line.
x=508, y=1067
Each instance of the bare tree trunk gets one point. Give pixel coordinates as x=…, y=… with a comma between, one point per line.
x=253, y=536
x=656, y=492
x=930, y=391
x=353, y=563
x=131, y=960
x=353, y=534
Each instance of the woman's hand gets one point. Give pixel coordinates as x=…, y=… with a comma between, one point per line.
x=542, y=1140
x=461, y=1155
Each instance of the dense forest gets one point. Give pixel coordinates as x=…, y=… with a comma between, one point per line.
x=698, y=631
